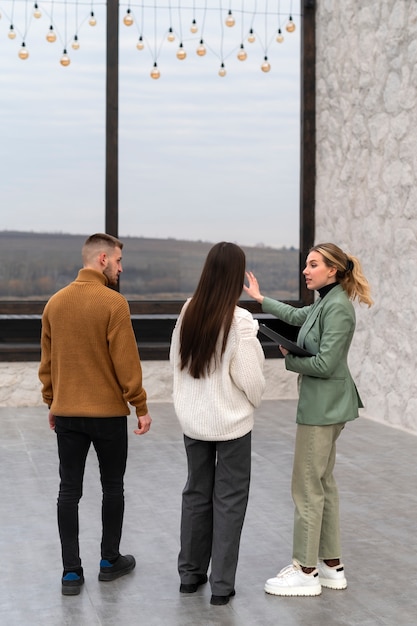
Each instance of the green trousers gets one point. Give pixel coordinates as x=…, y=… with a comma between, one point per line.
x=315, y=495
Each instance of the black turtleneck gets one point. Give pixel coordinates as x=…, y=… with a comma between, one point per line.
x=325, y=290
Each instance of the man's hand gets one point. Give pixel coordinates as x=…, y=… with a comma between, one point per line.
x=144, y=424
x=51, y=418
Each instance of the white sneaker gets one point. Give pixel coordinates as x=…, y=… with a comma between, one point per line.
x=292, y=581
x=332, y=577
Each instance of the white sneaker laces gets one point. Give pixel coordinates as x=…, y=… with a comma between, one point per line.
x=287, y=571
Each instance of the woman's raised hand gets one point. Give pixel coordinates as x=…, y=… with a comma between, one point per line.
x=253, y=288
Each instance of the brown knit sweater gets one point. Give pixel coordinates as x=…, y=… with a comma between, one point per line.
x=90, y=365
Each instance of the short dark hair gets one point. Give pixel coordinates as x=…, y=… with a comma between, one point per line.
x=97, y=243
x=104, y=238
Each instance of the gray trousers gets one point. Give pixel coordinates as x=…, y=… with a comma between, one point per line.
x=214, y=502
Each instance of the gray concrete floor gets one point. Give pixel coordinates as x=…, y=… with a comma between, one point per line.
x=376, y=471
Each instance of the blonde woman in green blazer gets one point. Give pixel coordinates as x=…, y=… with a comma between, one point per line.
x=328, y=398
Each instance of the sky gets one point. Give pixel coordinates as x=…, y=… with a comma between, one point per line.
x=201, y=157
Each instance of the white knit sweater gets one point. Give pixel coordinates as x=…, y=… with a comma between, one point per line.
x=220, y=406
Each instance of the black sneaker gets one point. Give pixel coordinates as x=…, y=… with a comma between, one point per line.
x=71, y=583
x=110, y=571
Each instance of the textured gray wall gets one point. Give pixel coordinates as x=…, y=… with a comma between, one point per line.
x=366, y=194
x=20, y=386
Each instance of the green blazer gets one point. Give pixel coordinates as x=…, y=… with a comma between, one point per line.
x=327, y=393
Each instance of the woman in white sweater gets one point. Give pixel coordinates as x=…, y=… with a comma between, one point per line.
x=218, y=382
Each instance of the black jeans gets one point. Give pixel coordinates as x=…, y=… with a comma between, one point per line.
x=109, y=438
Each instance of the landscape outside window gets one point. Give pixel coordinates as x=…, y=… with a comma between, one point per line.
x=202, y=158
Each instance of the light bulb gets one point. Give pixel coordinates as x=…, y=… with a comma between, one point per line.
x=75, y=44
x=155, y=73
x=92, y=21
x=194, y=27
x=50, y=36
x=140, y=45
x=65, y=60
x=36, y=11
x=251, y=36
x=11, y=33
x=280, y=36
x=201, y=50
x=23, y=53
x=290, y=27
x=230, y=20
x=222, y=70
x=181, y=53
x=265, y=67
x=241, y=55
x=171, y=36
x=128, y=18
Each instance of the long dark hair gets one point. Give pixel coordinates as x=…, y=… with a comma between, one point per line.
x=210, y=311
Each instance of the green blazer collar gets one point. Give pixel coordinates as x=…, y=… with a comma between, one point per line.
x=315, y=311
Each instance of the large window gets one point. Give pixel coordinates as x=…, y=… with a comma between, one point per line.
x=202, y=158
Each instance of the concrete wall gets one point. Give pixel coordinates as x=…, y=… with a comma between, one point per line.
x=367, y=184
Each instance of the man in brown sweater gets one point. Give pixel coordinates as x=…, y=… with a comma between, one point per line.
x=90, y=370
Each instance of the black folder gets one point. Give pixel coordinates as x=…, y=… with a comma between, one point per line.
x=283, y=341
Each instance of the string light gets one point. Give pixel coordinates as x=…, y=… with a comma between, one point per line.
x=23, y=53
x=280, y=36
x=201, y=50
x=241, y=55
x=181, y=53
x=247, y=20
x=194, y=27
x=65, y=60
x=290, y=27
x=266, y=66
x=171, y=36
x=222, y=70
x=50, y=35
x=155, y=73
x=140, y=45
x=128, y=18
x=230, y=20
x=75, y=44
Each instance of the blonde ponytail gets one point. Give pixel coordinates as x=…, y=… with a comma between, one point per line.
x=349, y=272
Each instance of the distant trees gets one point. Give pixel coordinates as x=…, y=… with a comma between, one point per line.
x=36, y=265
